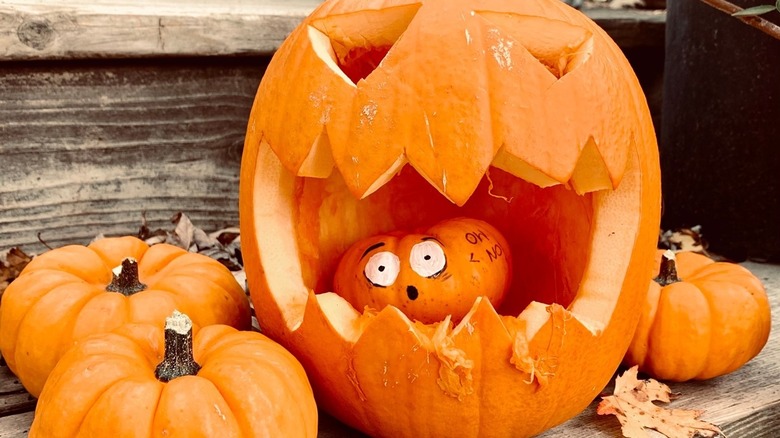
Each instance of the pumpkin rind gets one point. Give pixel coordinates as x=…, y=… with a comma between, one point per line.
x=248, y=386
x=710, y=322
x=63, y=291
x=314, y=181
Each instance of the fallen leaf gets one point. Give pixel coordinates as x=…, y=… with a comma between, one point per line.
x=223, y=245
x=11, y=265
x=632, y=404
x=683, y=239
x=184, y=232
x=149, y=236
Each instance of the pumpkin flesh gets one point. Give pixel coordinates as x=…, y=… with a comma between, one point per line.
x=579, y=208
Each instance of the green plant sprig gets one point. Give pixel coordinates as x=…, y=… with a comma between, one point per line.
x=750, y=15
x=757, y=10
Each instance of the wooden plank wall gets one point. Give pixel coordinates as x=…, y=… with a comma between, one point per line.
x=87, y=146
x=47, y=29
x=103, y=119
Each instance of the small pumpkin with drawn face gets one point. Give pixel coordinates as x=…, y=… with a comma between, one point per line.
x=427, y=275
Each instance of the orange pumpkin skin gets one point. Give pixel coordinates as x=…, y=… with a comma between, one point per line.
x=710, y=322
x=467, y=258
x=63, y=291
x=247, y=386
x=387, y=115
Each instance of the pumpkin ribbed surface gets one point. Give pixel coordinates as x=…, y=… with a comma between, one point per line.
x=247, y=386
x=61, y=297
x=709, y=320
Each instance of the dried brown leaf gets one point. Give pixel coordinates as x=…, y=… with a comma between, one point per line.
x=223, y=245
x=184, y=233
x=11, y=265
x=632, y=404
x=147, y=235
x=683, y=239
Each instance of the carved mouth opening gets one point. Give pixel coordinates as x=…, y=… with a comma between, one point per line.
x=548, y=229
x=545, y=201
x=556, y=237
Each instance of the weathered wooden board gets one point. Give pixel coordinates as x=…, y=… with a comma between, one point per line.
x=745, y=403
x=31, y=29
x=86, y=147
x=16, y=426
x=35, y=29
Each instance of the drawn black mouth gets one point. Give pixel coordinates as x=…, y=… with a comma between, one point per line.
x=412, y=293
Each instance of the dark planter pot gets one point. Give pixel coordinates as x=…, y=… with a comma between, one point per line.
x=720, y=134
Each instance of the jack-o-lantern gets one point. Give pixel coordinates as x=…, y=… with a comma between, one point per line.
x=428, y=275
x=382, y=115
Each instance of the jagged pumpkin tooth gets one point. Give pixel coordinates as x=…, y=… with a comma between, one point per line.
x=290, y=132
x=615, y=133
x=591, y=172
x=486, y=339
x=482, y=320
x=368, y=149
x=367, y=146
x=322, y=349
x=319, y=162
x=456, y=145
x=528, y=59
x=417, y=367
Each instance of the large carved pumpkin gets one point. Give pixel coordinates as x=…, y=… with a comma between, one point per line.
x=383, y=115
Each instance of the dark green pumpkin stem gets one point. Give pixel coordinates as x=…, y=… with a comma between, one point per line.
x=126, y=281
x=668, y=272
x=178, y=360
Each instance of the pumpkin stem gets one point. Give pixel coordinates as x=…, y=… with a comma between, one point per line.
x=178, y=360
x=125, y=279
x=668, y=271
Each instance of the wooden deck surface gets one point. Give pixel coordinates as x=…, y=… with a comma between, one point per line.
x=745, y=403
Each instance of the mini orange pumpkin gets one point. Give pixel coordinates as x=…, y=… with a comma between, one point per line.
x=73, y=292
x=137, y=383
x=702, y=319
x=429, y=275
x=384, y=115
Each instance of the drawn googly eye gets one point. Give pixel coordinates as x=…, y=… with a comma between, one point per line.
x=382, y=268
x=427, y=259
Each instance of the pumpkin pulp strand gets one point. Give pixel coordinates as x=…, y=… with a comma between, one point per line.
x=178, y=360
x=126, y=282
